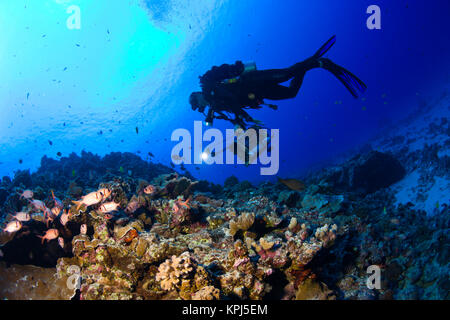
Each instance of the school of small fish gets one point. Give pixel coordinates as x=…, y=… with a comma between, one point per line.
x=58, y=212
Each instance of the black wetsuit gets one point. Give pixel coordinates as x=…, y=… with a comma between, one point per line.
x=251, y=88
x=266, y=84
x=247, y=90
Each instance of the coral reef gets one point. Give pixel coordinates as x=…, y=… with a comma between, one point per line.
x=143, y=231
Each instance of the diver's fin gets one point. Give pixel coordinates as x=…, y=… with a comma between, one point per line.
x=354, y=80
x=346, y=83
x=324, y=49
x=348, y=79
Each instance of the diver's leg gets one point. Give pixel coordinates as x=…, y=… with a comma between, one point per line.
x=348, y=79
x=297, y=73
x=280, y=92
x=272, y=76
x=277, y=76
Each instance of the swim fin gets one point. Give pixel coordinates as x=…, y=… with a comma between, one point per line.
x=348, y=79
x=324, y=49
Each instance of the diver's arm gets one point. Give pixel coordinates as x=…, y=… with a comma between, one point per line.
x=242, y=113
x=239, y=122
x=212, y=115
x=222, y=116
x=247, y=120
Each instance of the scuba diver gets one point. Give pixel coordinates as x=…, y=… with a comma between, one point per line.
x=230, y=90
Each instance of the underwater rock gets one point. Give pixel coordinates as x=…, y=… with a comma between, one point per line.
x=230, y=182
x=173, y=186
x=3, y=195
x=323, y=203
x=6, y=182
x=22, y=178
x=375, y=171
x=207, y=293
x=367, y=173
x=289, y=198
x=27, y=282
x=74, y=190
x=313, y=290
x=88, y=170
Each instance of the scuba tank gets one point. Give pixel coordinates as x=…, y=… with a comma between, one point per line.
x=248, y=67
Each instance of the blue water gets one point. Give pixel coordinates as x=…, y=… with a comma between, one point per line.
x=134, y=64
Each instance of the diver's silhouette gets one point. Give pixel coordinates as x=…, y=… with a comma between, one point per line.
x=233, y=88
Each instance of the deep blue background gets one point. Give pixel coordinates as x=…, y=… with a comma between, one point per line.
x=145, y=76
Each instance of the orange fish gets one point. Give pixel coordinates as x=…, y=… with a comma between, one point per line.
x=90, y=199
x=293, y=184
x=50, y=235
x=149, y=189
x=64, y=218
x=109, y=207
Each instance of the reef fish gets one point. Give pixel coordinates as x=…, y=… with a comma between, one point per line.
x=90, y=199
x=108, y=207
x=22, y=216
x=180, y=204
x=50, y=235
x=64, y=218
x=55, y=211
x=38, y=205
x=293, y=184
x=58, y=203
x=106, y=192
x=132, y=206
x=13, y=226
x=61, y=242
x=49, y=215
x=149, y=189
x=27, y=194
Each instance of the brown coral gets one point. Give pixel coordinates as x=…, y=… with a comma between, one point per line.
x=173, y=270
x=242, y=222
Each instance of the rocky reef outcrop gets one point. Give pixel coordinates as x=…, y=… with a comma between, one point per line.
x=28, y=282
x=365, y=173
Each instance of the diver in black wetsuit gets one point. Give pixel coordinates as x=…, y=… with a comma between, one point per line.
x=229, y=90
